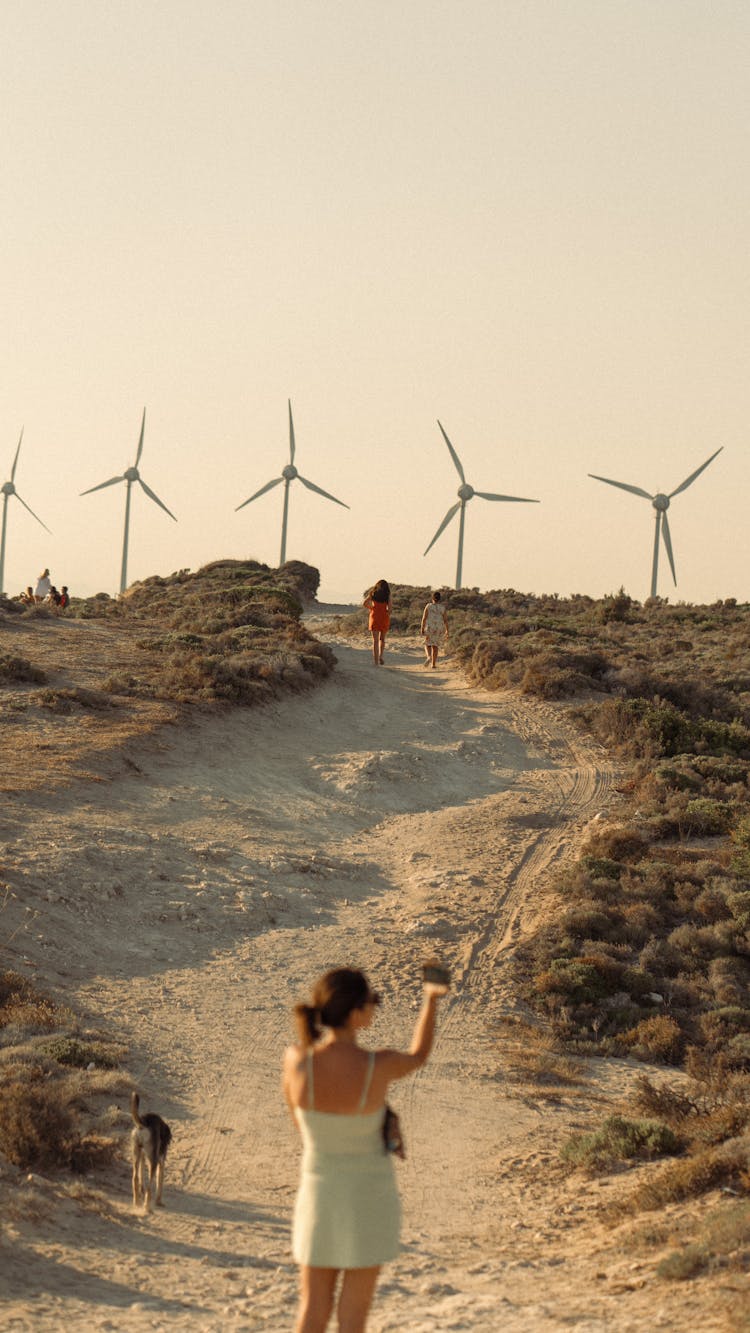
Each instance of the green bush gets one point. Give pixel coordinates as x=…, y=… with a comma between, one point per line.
x=618, y=1140
x=704, y=818
x=80, y=1054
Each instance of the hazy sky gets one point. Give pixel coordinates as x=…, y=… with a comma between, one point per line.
x=529, y=218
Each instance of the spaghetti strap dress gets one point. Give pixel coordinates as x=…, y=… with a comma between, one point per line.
x=347, y=1213
x=380, y=617
x=435, y=624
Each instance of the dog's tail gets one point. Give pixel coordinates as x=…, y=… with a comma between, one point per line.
x=134, y=1103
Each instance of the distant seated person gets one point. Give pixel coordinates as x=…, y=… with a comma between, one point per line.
x=64, y=601
x=53, y=597
x=27, y=597
x=43, y=585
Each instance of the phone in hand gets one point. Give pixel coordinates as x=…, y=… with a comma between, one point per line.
x=436, y=972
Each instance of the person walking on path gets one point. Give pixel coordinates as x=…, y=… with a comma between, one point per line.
x=378, y=603
x=434, y=627
x=347, y=1212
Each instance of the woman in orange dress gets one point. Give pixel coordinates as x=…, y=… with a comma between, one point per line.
x=378, y=603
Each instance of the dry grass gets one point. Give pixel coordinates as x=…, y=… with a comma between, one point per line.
x=52, y=1086
x=532, y=1060
x=120, y=669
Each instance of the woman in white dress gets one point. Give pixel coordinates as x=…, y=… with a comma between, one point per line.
x=347, y=1213
x=43, y=585
x=434, y=627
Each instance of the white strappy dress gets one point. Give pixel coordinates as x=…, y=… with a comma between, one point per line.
x=347, y=1213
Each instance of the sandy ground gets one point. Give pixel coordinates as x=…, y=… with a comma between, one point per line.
x=185, y=906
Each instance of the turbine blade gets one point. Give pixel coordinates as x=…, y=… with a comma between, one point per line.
x=312, y=487
x=140, y=442
x=623, y=485
x=454, y=456
x=668, y=544
x=695, y=474
x=486, y=495
x=451, y=514
x=112, y=482
x=292, y=445
x=33, y=515
x=268, y=487
x=152, y=496
x=15, y=460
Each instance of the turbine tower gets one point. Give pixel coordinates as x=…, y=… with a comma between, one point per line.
x=288, y=475
x=465, y=493
x=7, y=489
x=129, y=476
x=661, y=505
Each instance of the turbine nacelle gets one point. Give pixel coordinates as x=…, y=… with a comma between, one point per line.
x=660, y=502
x=465, y=493
x=289, y=473
x=7, y=490
x=130, y=475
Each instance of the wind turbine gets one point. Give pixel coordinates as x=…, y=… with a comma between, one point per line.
x=288, y=474
x=465, y=493
x=7, y=489
x=661, y=505
x=130, y=475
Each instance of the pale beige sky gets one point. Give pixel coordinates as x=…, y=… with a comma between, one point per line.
x=528, y=219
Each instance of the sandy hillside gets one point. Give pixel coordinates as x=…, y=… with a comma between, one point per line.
x=186, y=903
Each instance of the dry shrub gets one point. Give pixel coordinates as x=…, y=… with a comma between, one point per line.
x=64, y=701
x=722, y=1243
x=620, y=843
x=36, y=1125
x=681, y=1265
x=531, y=1056
x=22, y=1005
x=659, y=1039
x=691, y=1176
x=19, y=669
x=92, y=1152
x=730, y=980
x=663, y=1101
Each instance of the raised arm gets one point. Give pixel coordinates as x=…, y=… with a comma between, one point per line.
x=397, y=1064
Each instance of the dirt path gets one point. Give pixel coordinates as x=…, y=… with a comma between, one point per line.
x=393, y=813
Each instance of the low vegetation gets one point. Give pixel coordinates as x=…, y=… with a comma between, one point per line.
x=230, y=632
x=648, y=956
x=56, y=1084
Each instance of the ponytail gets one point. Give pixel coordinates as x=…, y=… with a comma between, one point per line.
x=308, y=1023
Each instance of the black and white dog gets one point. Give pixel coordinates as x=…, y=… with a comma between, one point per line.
x=150, y=1140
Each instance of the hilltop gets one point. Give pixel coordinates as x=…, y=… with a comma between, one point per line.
x=169, y=895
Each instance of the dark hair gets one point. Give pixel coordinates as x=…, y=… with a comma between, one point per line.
x=436, y=597
x=335, y=996
x=381, y=592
